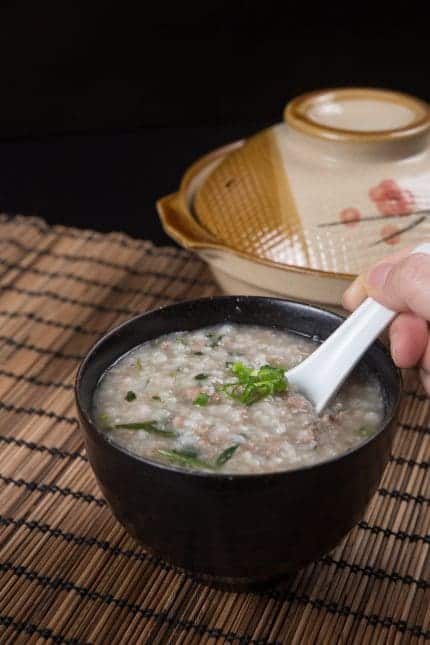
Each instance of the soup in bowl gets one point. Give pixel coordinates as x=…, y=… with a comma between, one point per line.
x=218, y=398
x=210, y=458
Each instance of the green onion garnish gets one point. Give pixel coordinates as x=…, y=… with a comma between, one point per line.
x=182, y=458
x=130, y=396
x=188, y=457
x=214, y=339
x=366, y=431
x=149, y=426
x=252, y=385
x=201, y=399
x=226, y=455
x=104, y=421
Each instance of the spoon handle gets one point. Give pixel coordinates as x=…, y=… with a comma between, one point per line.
x=338, y=355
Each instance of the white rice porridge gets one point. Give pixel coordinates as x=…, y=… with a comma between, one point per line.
x=217, y=399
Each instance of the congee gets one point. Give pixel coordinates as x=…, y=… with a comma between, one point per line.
x=218, y=400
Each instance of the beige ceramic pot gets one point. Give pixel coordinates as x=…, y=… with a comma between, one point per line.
x=300, y=208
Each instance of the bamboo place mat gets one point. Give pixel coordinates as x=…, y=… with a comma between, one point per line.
x=69, y=571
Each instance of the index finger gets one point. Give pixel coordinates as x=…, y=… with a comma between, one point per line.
x=357, y=292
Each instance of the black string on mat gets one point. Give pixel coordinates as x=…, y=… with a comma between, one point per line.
x=76, y=285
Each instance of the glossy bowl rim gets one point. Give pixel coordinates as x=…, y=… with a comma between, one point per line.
x=169, y=468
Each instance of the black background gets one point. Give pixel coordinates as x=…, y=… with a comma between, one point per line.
x=102, y=106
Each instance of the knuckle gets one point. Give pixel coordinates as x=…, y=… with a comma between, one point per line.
x=412, y=277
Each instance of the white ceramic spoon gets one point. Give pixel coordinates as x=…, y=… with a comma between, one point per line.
x=320, y=375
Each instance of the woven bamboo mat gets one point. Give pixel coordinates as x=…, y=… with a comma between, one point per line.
x=69, y=572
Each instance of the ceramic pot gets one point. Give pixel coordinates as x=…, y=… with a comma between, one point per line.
x=301, y=208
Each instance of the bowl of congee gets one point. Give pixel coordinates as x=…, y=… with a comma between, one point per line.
x=210, y=458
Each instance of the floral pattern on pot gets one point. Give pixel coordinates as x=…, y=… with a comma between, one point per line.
x=390, y=199
x=390, y=234
x=350, y=216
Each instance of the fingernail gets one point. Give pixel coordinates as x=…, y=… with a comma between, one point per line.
x=348, y=295
x=394, y=348
x=354, y=295
x=377, y=277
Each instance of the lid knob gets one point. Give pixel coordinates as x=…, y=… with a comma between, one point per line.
x=358, y=114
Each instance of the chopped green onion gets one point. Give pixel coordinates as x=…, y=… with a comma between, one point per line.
x=138, y=364
x=252, y=385
x=226, y=455
x=198, y=353
x=156, y=398
x=104, y=421
x=189, y=451
x=130, y=396
x=201, y=399
x=366, y=431
x=183, y=459
x=151, y=427
x=214, y=338
x=201, y=377
x=188, y=457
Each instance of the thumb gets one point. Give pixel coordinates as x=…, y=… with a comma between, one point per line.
x=403, y=286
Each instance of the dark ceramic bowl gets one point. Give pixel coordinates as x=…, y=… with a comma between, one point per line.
x=235, y=529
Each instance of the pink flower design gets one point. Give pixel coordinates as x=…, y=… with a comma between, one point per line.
x=390, y=199
x=389, y=231
x=350, y=216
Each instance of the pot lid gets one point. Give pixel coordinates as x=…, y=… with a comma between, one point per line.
x=335, y=186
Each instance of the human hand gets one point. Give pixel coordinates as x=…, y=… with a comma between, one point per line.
x=401, y=282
